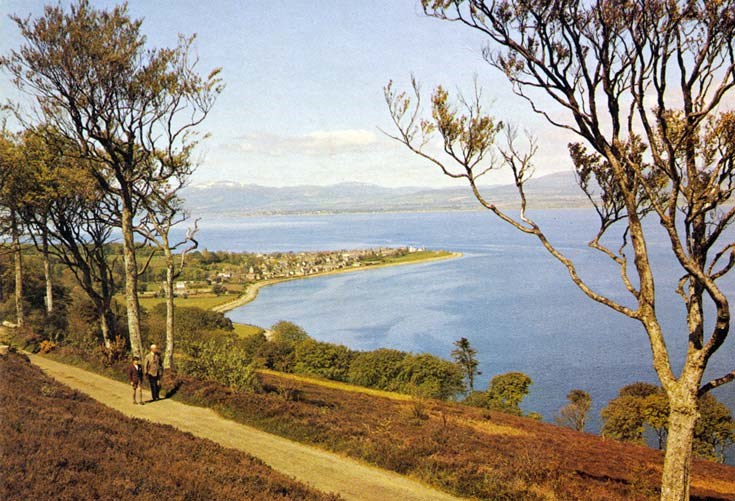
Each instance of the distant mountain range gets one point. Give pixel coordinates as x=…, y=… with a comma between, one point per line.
x=228, y=198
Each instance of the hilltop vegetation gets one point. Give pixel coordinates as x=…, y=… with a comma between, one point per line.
x=468, y=451
x=57, y=443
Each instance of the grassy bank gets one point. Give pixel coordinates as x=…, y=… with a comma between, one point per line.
x=59, y=444
x=467, y=451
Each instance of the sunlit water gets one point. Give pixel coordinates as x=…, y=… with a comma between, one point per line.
x=510, y=298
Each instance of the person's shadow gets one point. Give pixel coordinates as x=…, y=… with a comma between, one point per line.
x=170, y=393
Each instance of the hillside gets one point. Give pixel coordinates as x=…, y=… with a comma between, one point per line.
x=555, y=190
x=57, y=443
x=466, y=451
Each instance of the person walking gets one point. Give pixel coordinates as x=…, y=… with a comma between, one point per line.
x=135, y=376
x=153, y=369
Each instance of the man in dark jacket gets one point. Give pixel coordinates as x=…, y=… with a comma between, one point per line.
x=153, y=369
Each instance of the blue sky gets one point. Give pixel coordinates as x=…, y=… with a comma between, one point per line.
x=303, y=102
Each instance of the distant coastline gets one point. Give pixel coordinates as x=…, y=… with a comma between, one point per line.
x=229, y=199
x=251, y=291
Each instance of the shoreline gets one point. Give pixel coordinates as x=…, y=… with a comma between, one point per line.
x=251, y=292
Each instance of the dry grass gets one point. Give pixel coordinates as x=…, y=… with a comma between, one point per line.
x=56, y=443
x=336, y=385
x=466, y=451
x=491, y=428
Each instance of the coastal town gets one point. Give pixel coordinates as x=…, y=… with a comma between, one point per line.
x=227, y=272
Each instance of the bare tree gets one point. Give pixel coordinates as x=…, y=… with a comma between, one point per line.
x=574, y=414
x=642, y=83
x=130, y=109
x=80, y=239
x=164, y=211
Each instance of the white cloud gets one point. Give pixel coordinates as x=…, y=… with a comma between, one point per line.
x=317, y=143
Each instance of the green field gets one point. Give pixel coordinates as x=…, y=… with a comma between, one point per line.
x=415, y=256
x=246, y=330
x=204, y=301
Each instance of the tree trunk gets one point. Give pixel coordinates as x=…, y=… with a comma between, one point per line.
x=18, y=261
x=47, y=275
x=678, y=458
x=105, y=328
x=131, y=282
x=168, y=357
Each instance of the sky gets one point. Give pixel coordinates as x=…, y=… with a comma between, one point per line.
x=303, y=102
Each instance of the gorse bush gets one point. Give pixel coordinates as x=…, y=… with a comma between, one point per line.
x=223, y=361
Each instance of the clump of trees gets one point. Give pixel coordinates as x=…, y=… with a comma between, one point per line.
x=107, y=142
x=505, y=393
x=644, y=88
x=643, y=406
x=213, y=350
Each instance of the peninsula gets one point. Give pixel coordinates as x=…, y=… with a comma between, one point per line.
x=390, y=257
x=222, y=281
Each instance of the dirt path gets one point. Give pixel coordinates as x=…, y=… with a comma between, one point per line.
x=323, y=470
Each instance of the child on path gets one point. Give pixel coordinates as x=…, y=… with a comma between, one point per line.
x=135, y=375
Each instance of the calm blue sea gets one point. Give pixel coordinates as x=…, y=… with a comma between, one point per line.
x=510, y=298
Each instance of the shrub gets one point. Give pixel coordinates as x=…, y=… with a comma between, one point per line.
x=222, y=361
x=377, y=369
x=287, y=332
x=52, y=326
x=276, y=356
x=29, y=339
x=190, y=320
x=117, y=352
x=641, y=406
x=506, y=391
x=327, y=360
x=477, y=399
x=431, y=375
x=46, y=346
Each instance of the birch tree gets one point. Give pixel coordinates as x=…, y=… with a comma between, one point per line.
x=643, y=85
x=128, y=107
x=165, y=211
x=74, y=219
x=12, y=189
